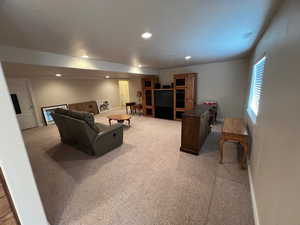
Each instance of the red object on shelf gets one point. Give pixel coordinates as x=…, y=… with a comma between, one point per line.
x=212, y=103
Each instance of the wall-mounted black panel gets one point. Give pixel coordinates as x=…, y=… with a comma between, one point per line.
x=16, y=104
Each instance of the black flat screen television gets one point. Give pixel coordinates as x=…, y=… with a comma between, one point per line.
x=16, y=103
x=164, y=98
x=164, y=104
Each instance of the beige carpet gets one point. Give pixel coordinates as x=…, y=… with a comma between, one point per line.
x=146, y=181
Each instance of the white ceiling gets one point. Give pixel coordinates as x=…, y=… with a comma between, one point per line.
x=208, y=30
x=17, y=70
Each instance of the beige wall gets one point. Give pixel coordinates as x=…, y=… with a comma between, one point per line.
x=224, y=82
x=275, y=160
x=47, y=92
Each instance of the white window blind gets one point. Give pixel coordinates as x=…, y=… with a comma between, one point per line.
x=256, y=88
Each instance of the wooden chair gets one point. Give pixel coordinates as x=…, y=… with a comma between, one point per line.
x=138, y=108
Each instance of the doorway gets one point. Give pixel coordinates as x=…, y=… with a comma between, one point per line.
x=22, y=101
x=124, y=91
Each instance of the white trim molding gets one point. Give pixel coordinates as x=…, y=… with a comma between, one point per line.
x=253, y=198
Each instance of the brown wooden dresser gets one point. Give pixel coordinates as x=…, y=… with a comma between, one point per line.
x=195, y=129
x=8, y=215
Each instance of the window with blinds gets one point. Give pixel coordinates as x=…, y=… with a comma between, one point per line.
x=256, y=88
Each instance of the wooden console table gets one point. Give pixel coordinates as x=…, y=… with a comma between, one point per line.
x=235, y=130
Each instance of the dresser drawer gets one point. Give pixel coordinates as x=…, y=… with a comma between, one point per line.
x=8, y=220
x=4, y=207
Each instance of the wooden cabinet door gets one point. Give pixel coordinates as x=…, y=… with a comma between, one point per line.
x=148, y=84
x=179, y=80
x=189, y=92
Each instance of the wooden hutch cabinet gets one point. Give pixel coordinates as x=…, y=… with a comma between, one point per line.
x=184, y=93
x=148, y=85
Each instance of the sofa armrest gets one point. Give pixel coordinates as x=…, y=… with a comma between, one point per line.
x=101, y=127
x=108, y=139
x=109, y=130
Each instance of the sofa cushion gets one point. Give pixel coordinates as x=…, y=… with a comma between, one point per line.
x=61, y=111
x=85, y=116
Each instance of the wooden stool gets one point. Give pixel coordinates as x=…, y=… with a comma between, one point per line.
x=137, y=107
x=130, y=105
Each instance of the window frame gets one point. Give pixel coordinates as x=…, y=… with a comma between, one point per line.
x=253, y=116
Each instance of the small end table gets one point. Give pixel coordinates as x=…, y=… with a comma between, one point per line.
x=235, y=129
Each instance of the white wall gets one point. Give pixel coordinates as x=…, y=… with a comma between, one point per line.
x=15, y=164
x=275, y=159
x=224, y=82
x=47, y=92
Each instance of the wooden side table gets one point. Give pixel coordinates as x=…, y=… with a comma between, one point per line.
x=235, y=129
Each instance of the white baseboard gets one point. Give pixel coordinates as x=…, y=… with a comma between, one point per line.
x=253, y=198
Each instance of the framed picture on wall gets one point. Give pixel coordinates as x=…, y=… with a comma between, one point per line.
x=47, y=110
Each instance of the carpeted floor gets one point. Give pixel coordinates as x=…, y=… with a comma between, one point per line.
x=146, y=181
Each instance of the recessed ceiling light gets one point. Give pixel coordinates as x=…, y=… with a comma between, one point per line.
x=146, y=35
x=58, y=75
x=140, y=65
x=107, y=77
x=188, y=57
x=85, y=56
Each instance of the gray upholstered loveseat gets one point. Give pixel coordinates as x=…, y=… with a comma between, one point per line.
x=80, y=130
